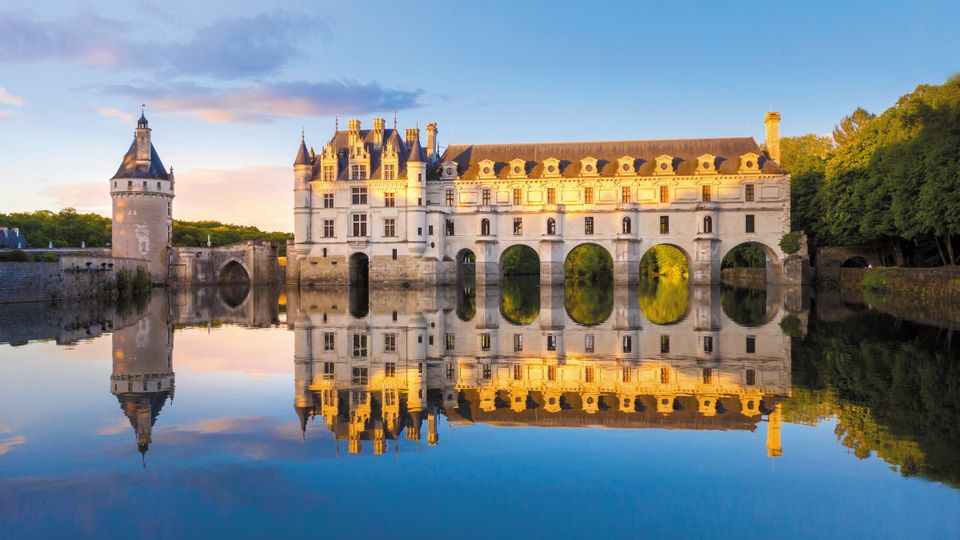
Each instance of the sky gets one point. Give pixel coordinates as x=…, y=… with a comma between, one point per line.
x=228, y=86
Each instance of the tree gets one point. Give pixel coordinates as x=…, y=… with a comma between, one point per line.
x=851, y=124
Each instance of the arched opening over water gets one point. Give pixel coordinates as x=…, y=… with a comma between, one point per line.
x=747, y=264
x=520, y=293
x=589, y=262
x=664, y=284
x=233, y=272
x=520, y=260
x=855, y=262
x=466, y=285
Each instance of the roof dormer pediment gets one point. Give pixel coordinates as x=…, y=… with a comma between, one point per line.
x=487, y=168
x=664, y=165
x=551, y=168
x=449, y=170
x=707, y=164
x=749, y=163
x=588, y=166
x=626, y=166
x=518, y=168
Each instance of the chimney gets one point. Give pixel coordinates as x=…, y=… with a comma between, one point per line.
x=378, y=124
x=772, y=121
x=353, y=127
x=431, y=140
x=413, y=135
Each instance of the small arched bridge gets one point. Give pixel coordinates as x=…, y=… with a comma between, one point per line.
x=253, y=262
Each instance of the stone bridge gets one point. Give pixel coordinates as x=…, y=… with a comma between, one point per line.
x=251, y=262
x=834, y=261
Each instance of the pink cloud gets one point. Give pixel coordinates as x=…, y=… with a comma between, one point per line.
x=122, y=116
x=9, y=99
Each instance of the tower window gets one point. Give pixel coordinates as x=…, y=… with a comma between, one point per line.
x=708, y=344
x=627, y=344
x=518, y=343
x=451, y=341
x=551, y=195
x=484, y=342
x=485, y=227
x=588, y=374
x=664, y=344
x=707, y=224
x=626, y=226
x=707, y=376
x=551, y=226
x=450, y=228
x=751, y=377
x=588, y=343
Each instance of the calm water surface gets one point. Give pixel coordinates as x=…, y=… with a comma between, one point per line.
x=513, y=411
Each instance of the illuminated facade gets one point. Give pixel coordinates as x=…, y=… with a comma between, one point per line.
x=374, y=205
x=373, y=373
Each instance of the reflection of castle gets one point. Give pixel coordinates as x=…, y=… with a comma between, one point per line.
x=410, y=357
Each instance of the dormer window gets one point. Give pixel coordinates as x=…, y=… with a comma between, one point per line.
x=707, y=164
x=749, y=163
x=448, y=170
x=551, y=168
x=487, y=169
x=588, y=166
x=518, y=168
x=625, y=166
x=664, y=165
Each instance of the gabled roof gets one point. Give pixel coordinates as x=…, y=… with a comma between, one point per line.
x=129, y=169
x=683, y=151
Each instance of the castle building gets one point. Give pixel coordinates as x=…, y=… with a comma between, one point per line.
x=142, y=192
x=374, y=205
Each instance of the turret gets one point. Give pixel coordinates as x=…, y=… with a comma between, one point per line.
x=416, y=191
x=302, y=171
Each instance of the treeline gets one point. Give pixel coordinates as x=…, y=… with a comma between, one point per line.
x=68, y=228
x=890, y=182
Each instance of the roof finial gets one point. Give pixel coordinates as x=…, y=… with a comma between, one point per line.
x=336, y=122
x=394, y=119
x=302, y=134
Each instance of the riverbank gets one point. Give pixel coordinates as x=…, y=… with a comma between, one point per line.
x=924, y=295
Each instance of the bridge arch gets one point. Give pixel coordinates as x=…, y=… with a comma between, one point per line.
x=588, y=260
x=519, y=260
x=359, y=273
x=233, y=271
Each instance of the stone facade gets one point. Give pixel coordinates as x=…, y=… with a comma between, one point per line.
x=252, y=262
x=375, y=195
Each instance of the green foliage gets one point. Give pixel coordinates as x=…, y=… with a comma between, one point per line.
x=16, y=255
x=664, y=260
x=790, y=325
x=589, y=262
x=664, y=300
x=790, y=243
x=520, y=260
x=588, y=303
x=875, y=280
x=520, y=299
x=744, y=256
x=851, y=124
x=194, y=233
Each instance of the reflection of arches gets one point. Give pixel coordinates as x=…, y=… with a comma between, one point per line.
x=587, y=304
x=466, y=267
x=466, y=284
x=233, y=271
x=855, y=262
x=233, y=294
x=588, y=261
x=520, y=299
x=746, y=307
x=664, y=301
x=519, y=260
x=485, y=227
x=359, y=269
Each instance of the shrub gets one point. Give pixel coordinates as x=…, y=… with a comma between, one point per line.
x=790, y=243
x=791, y=326
x=874, y=280
x=16, y=255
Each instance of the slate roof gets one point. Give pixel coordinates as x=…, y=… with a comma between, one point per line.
x=341, y=143
x=129, y=169
x=684, y=151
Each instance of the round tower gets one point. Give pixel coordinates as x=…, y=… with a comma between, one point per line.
x=142, y=193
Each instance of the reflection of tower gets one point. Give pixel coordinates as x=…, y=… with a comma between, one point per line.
x=773, y=432
x=142, y=376
x=142, y=193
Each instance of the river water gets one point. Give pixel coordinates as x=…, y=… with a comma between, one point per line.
x=465, y=412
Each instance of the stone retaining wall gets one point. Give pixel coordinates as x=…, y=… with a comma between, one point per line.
x=70, y=277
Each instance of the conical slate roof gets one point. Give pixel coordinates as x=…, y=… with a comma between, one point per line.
x=130, y=169
x=303, y=156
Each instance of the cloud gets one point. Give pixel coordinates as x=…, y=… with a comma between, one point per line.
x=233, y=47
x=122, y=116
x=4, y=115
x=267, y=102
x=86, y=196
x=9, y=99
x=8, y=444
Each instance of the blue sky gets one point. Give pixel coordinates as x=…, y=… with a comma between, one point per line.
x=228, y=85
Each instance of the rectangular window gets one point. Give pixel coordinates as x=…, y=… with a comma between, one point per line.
x=329, y=341
x=707, y=375
x=627, y=344
x=328, y=200
x=450, y=371
x=451, y=342
x=420, y=368
x=487, y=372
x=625, y=194
x=484, y=342
x=429, y=230
x=664, y=344
x=485, y=197
x=748, y=192
x=359, y=195
x=450, y=229
x=324, y=253
x=588, y=343
x=389, y=343
x=517, y=226
x=517, y=372
x=518, y=343
x=705, y=192
x=390, y=370
x=551, y=342
x=751, y=223
x=394, y=255
x=328, y=370
x=359, y=346
x=430, y=340
x=708, y=344
x=751, y=344
x=328, y=231
x=551, y=373
x=627, y=374
x=448, y=197
x=588, y=225
x=551, y=195
x=588, y=195
x=390, y=172
x=359, y=224
x=390, y=227
x=389, y=200
x=664, y=224
x=359, y=377
x=329, y=173
x=358, y=172
x=588, y=374
x=517, y=196
x=751, y=377
x=664, y=375
x=664, y=194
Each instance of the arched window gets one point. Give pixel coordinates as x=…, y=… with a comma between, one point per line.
x=626, y=225
x=707, y=224
x=551, y=226
x=485, y=226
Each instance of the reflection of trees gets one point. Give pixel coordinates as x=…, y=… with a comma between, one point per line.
x=520, y=299
x=664, y=300
x=587, y=303
x=893, y=391
x=467, y=306
x=744, y=306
